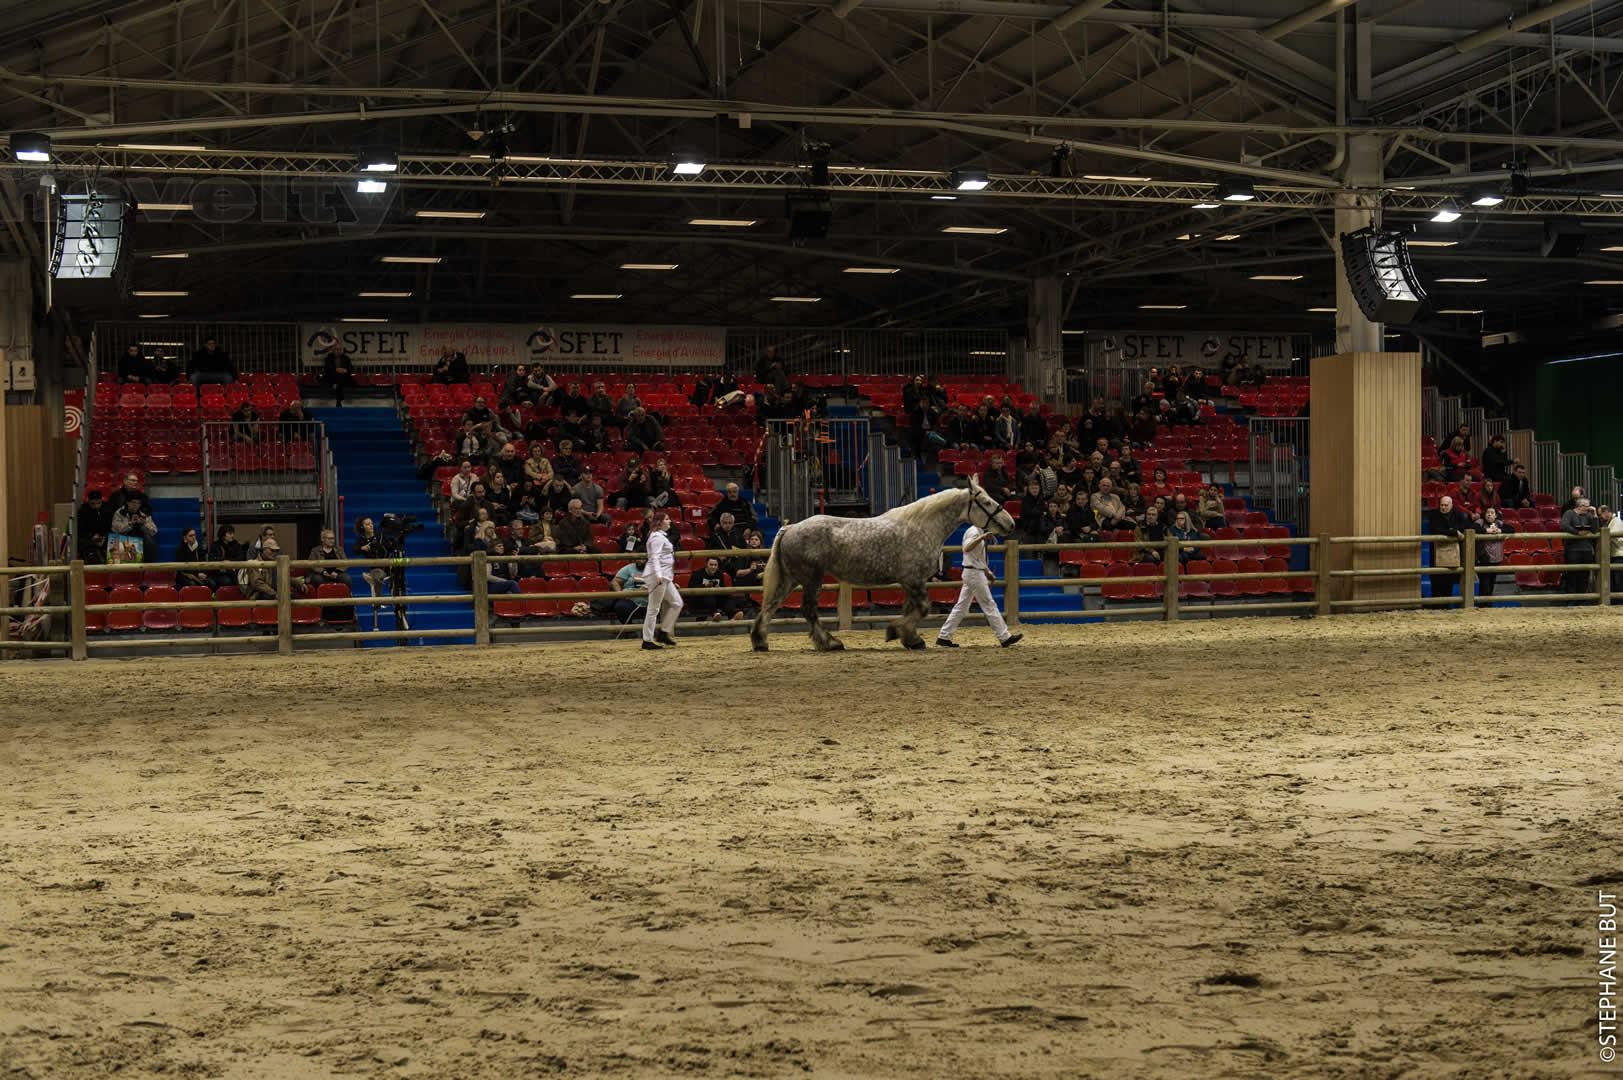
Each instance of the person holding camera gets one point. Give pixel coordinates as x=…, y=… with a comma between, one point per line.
x=132, y=519
x=664, y=599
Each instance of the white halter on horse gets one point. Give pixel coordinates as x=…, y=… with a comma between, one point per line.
x=901, y=546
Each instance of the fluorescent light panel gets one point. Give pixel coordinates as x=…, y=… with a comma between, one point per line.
x=1433, y=243
x=871, y=270
x=153, y=316
x=596, y=296
x=723, y=223
x=362, y=318
x=1229, y=236
x=384, y=294
x=1322, y=310
x=1118, y=179
x=413, y=260
x=1276, y=277
x=944, y=198
x=453, y=215
x=164, y=207
x=974, y=230
x=648, y=266
x=1162, y=307
x=1461, y=280
x=797, y=299
x=174, y=255
x=371, y=187
x=160, y=292
x=1603, y=281
x=1459, y=311
x=156, y=146
x=688, y=168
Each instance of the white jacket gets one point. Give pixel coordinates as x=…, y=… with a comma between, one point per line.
x=1615, y=528
x=976, y=559
x=661, y=558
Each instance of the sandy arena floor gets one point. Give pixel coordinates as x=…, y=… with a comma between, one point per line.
x=1366, y=847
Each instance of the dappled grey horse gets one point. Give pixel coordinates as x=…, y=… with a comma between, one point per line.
x=901, y=546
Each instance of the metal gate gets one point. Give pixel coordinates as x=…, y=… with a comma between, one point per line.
x=257, y=466
x=1278, y=477
x=819, y=466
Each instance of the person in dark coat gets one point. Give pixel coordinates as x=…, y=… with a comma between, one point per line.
x=1447, y=520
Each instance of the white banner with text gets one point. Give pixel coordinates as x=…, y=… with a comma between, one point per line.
x=372, y=345
x=1193, y=348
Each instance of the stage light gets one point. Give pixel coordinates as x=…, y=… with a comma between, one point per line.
x=688, y=168
x=371, y=187
x=1236, y=190
x=30, y=146
x=1447, y=213
x=1487, y=197
x=970, y=179
x=378, y=159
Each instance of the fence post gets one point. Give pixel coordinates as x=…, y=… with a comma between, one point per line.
x=1011, y=583
x=1603, y=576
x=1321, y=564
x=845, y=605
x=284, y=606
x=1170, y=567
x=480, y=572
x=78, y=617
x=1468, y=571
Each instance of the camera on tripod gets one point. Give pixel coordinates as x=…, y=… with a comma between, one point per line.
x=393, y=530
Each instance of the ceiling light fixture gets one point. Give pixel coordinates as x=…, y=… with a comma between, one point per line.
x=648, y=266
x=1447, y=213
x=970, y=179
x=153, y=316
x=1596, y=281
x=1487, y=197
x=596, y=296
x=797, y=299
x=362, y=318
x=157, y=147
x=1073, y=331
x=1162, y=307
x=384, y=294
x=723, y=222
x=944, y=198
x=453, y=215
x=371, y=187
x=1229, y=236
x=1461, y=280
x=1119, y=179
x=688, y=168
x=872, y=270
x=173, y=255
x=974, y=230
x=160, y=292
x=1322, y=310
x=164, y=207
x=413, y=260
x=1459, y=311
x=1205, y=205
x=1276, y=277
x=1188, y=236
x=378, y=159
x=988, y=352
x=1432, y=243
x=1236, y=189
x=30, y=146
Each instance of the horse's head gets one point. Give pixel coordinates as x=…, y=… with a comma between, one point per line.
x=985, y=512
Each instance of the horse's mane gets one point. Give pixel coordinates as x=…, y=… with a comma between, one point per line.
x=930, y=504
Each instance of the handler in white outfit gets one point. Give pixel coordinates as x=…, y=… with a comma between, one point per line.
x=662, y=592
x=977, y=588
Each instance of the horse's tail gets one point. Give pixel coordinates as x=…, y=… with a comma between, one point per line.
x=774, y=567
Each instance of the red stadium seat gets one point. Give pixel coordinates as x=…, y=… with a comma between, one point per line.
x=233, y=618
x=95, y=621
x=124, y=621
x=161, y=620
x=1225, y=588
x=536, y=608
x=196, y=618
x=1195, y=590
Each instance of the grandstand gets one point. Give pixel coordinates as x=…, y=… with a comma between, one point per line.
x=416, y=649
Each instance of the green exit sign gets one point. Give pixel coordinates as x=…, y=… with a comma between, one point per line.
x=267, y=505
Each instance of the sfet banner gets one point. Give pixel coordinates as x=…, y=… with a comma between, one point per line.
x=563, y=344
x=1209, y=350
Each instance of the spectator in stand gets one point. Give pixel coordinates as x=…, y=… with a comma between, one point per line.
x=190, y=551
x=625, y=608
x=1447, y=520
x=572, y=407
x=509, y=464
x=93, y=519
x=634, y=489
x=1152, y=533
x=245, y=423
x=1130, y=469
x=210, y=364
x=1495, y=460
x=133, y=367
x=1185, y=410
x=475, y=511
x=528, y=511
x=712, y=608
x=1209, y=510
x=259, y=580
x=1457, y=461
x=537, y=468
x=1465, y=495
x=748, y=570
x=1159, y=481
x=1185, y=529
x=1611, y=526
x=726, y=535
x=267, y=535
x=338, y=373
x=1108, y=508
x=564, y=463
x=132, y=519
x=556, y=497
x=596, y=437
x=1076, y=522
x=643, y=431
x=1132, y=497
x=1488, y=495
x=501, y=497
x=163, y=370
x=1462, y=433
x=1005, y=429
x=1032, y=503
x=600, y=404
x=1581, y=520
x=538, y=540
x=1143, y=429
x=451, y=367
x=591, y=496
x=462, y=483
x=471, y=442
x=325, y=551
x=1516, y=493
x=1178, y=504
x=501, y=573
x=732, y=502
x=475, y=534
x=1490, y=547
x=1573, y=499
x=480, y=414
x=662, y=485
x=630, y=538
x=295, y=424
x=517, y=390
x=574, y=531
x=225, y=549
x=627, y=403
x=431, y=466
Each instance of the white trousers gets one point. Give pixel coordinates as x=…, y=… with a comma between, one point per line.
x=661, y=594
x=977, y=589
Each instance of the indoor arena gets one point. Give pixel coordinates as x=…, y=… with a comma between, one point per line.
x=849, y=538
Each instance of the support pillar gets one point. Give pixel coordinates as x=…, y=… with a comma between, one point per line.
x=1043, y=370
x=1365, y=453
x=1356, y=209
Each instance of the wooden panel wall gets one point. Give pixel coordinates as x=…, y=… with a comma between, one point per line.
x=1366, y=464
x=38, y=473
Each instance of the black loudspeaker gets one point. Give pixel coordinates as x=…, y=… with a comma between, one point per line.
x=1563, y=238
x=1383, y=280
x=809, y=215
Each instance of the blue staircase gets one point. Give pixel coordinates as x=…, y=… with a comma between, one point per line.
x=174, y=516
x=377, y=475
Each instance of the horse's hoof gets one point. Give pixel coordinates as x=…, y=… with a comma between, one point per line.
x=891, y=634
x=759, y=646
x=836, y=645
x=919, y=644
